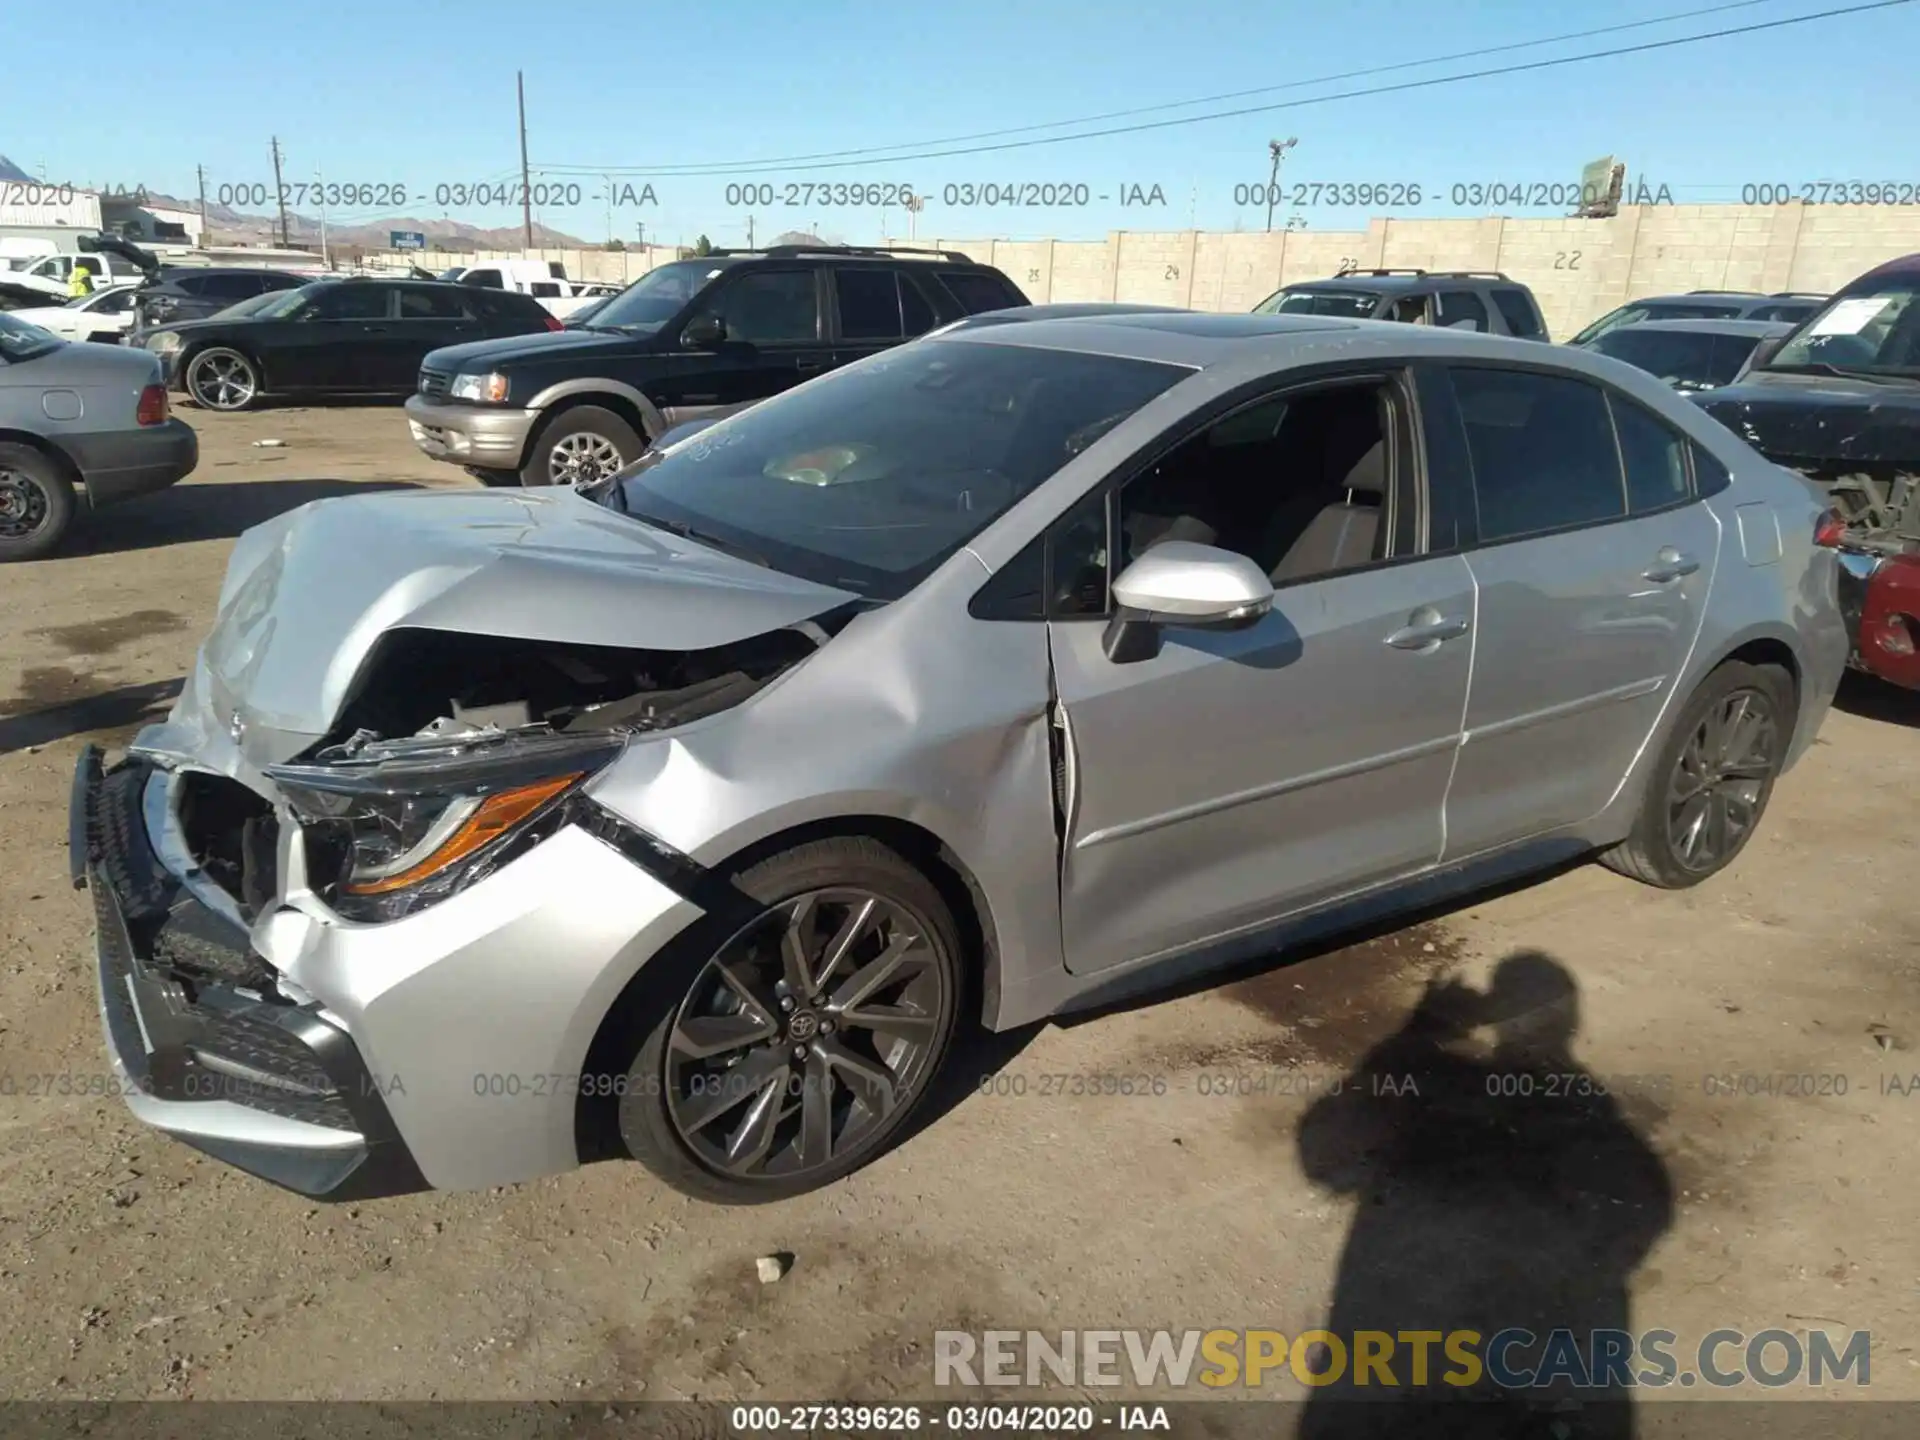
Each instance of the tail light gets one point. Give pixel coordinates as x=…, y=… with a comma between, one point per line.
x=153, y=406
x=1830, y=530
x=553, y=323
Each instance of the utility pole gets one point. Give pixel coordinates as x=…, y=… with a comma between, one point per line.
x=526, y=187
x=280, y=192
x=749, y=232
x=609, y=182
x=205, y=234
x=320, y=188
x=1278, y=149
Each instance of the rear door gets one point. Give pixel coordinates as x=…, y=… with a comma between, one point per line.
x=426, y=317
x=874, y=309
x=981, y=289
x=1593, y=560
x=1460, y=310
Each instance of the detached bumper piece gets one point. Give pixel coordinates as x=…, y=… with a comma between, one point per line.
x=203, y=1044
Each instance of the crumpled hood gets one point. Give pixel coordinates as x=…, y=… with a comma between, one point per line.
x=1821, y=419
x=307, y=595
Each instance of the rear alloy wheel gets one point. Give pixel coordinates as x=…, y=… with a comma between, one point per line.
x=585, y=444
x=805, y=1040
x=36, y=503
x=1714, y=778
x=222, y=379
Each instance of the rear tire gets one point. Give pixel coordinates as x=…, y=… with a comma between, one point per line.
x=584, y=444
x=1713, y=777
x=36, y=503
x=746, y=1087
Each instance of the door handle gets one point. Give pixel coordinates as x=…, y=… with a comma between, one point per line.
x=810, y=367
x=1670, y=564
x=1426, y=628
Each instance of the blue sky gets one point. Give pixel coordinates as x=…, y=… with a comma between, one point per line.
x=421, y=96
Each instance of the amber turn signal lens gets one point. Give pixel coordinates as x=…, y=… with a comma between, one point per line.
x=496, y=815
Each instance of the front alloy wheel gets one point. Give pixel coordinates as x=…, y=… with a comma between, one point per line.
x=582, y=458
x=221, y=379
x=805, y=1040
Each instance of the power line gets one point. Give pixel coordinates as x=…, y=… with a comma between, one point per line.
x=881, y=152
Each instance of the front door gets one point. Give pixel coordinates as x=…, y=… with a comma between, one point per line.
x=1593, y=562
x=774, y=339
x=429, y=316
x=1236, y=777
x=336, y=344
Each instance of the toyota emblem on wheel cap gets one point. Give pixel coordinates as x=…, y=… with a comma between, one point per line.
x=236, y=728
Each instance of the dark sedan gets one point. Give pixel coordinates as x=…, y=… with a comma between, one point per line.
x=1689, y=354
x=335, y=337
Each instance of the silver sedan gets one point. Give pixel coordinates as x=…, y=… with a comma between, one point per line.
x=691, y=816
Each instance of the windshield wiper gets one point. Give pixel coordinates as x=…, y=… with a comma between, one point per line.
x=704, y=537
x=1824, y=367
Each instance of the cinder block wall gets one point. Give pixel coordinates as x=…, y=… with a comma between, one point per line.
x=1579, y=269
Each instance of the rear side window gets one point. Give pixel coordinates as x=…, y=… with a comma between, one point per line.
x=352, y=302
x=1517, y=309
x=430, y=305
x=545, y=289
x=1461, y=308
x=264, y=283
x=869, y=304
x=1796, y=311
x=916, y=311
x=1543, y=452
x=1652, y=456
x=1710, y=477
x=489, y=279
x=978, y=290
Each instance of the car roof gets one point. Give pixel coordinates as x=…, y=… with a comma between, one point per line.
x=1364, y=280
x=1759, y=329
x=1250, y=345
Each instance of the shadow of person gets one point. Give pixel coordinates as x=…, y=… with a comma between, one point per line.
x=1500, y=1189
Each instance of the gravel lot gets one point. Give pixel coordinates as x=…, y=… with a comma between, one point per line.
x=134, y=1267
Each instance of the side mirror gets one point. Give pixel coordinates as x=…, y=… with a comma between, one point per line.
x=1184, y=585
x=704, y=332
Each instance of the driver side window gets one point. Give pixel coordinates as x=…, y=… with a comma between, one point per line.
x=1299, y=483
x=770, y=307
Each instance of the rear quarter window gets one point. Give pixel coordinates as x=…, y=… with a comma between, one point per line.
x=978, y=290
x=1517, y=309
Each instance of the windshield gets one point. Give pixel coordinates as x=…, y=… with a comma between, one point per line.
x=1653, y=310
x=274, y=305
x=657, y=296
x=868, y=478
x=1350, y=304
x=21, y=341
x=1876, y=330
x=1684, y=359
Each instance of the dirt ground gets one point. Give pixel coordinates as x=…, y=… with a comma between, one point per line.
x=1221, y=1193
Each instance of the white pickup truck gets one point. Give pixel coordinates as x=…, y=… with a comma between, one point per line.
x=49, y=274
x=545, y=280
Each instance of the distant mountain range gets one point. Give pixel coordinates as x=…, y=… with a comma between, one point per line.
x=232, y=226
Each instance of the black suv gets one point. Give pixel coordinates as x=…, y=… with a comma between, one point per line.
x=191, y=294
x=352, y=336
x=1483, y=300
x=690, y=339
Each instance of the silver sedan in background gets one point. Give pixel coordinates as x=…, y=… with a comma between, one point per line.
x=690, y=816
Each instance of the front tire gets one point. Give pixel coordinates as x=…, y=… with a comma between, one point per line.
x=793, y=1050
x=219, y=378
x=1712, y=780
x=36, y=503
x=584, y=444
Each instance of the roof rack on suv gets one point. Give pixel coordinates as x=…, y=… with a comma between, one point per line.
x=1796, y=295
x=953, y=256
x=1754, y=293
x=1387, y=270
x=1472, y=274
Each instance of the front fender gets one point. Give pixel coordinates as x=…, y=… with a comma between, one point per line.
x=650, y=415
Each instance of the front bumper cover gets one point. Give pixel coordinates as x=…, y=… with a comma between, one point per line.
x=446, y=1049
x=269, y=1086
x=487, y=437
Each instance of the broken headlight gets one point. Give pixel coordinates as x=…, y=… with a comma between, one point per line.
x=395, y=826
